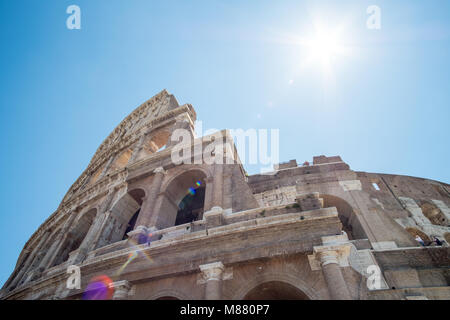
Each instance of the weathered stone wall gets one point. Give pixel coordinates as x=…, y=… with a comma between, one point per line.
x=303, y=232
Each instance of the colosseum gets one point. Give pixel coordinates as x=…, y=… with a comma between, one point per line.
x=196, y=230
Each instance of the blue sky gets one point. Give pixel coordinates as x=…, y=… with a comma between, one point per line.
x=384, y=107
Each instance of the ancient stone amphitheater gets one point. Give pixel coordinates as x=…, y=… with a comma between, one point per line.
x=161, y=230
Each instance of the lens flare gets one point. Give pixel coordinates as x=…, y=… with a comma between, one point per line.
x=99, y=288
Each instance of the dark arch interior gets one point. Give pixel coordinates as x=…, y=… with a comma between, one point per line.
x=275, y=290
x=191, y=207
x=167, y=298
x=131, y=224
x=75, y=237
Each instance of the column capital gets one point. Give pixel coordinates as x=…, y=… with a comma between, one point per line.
x=327, y=257
x=212, y=271
x=159, y=170
x=121, y=289
x=212, y=275
x=335, y=249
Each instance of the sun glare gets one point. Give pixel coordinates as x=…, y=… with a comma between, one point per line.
x=323, y=48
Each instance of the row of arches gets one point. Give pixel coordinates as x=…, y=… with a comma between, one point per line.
x=182, y=202
x=266, y=290
x=154, y=142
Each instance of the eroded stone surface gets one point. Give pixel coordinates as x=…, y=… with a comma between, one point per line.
x=304, y=232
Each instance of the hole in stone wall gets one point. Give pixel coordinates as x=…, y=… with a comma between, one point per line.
x=76, y=236
x=416, y=232
x=191, y=207
x=349, y=220
x=131, y=224
x=434, y=214
x=183, y=199
x=275, y=290
x=157, y=143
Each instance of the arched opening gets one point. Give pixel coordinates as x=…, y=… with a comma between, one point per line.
x=95, y=176
x=167, y=298
x=349, y=220
x=122, y=220
x=76, y=236
x=275, y=290
x=191, y=207
x=131, y=224
x=434, y=214
x=183, y=199
x=416, y=232
x=155, y=143
x=122, y=160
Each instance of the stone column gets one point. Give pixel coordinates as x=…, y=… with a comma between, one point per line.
x=182, y=122
x=333, y=275
x=227, y=198
x=218, y=186
x=57, y=243
x=329, y=258
x=137, y=149
x=212, y=277
x=88, y=241
x=19, y=266
x=95, y=230
x=208, y=194
x=107, y=166
x=146, y=217
x=30, y=260
x=121, y=290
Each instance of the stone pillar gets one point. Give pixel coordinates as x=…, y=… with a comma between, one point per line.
x=99, y=239
x=333, y=276
x=30, y=260
x=146, y=217
x=33, y=273
x=208, y=194
x=88, y=241
x=121, y=290
x=329, y=258
x=137, y=149
x=107, y=166
x=214, y=217
x=19, y=266
x=212, y=278
x=227, y=199
x=218, y=186
x=95, y=230
x=182, y=122
x=57, y=243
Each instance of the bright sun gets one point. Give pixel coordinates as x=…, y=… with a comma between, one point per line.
x=323, y=48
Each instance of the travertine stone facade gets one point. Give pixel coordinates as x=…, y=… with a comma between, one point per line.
x=308, y=231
